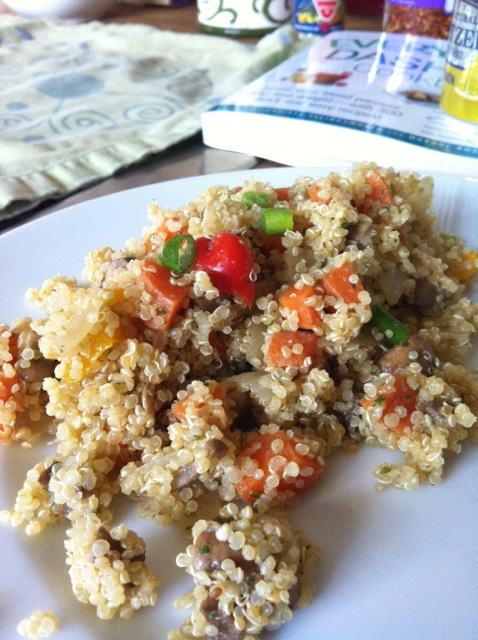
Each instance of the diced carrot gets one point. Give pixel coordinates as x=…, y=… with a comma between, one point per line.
x=13, y=347
x=7, y=384
x=151, y=243
x=167, y=298
x=282, y=193
x=313, y=193
x=396, y=398
x=219, y=393
x=277, y=454
x=466, y=268
x=6, y=387
x=178, y=409
x=124, y=456
x=269, y=243
x=6, y=393
x=343, y=283
x=291, y=348
x=381, y=191
x=294, y=299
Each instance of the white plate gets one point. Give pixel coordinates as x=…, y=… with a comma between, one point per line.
x=397, y=565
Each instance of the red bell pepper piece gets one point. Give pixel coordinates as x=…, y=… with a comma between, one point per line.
x=228, y=261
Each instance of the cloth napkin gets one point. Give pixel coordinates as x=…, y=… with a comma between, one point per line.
x=80, y=101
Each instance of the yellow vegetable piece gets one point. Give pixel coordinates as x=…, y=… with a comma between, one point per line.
x=80, y=365
x=465, y=269
x=117, y=297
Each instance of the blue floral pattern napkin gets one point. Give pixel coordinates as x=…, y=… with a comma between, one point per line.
x=80, y=101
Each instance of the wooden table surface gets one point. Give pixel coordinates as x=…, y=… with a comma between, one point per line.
x=187, y=158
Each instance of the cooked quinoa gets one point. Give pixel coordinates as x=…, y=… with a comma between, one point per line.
x=216, y=392
x=40, y=624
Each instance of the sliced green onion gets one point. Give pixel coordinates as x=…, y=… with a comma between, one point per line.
x=448, y=236
x=249, y=198
x=392, y=329
x=276, y=221
x=179, y=253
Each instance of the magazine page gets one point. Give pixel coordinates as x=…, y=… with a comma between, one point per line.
x=348, y=89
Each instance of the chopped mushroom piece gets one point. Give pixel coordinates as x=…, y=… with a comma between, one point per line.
x=216, y=447
x=226, y=629
x=149, y=399
x=416, y=349
x=36, y=368
x=252, y=569
x=427, y=295
x=439, y=409
x=188, y=474
x=120, y=263
x=116, y=548
x=209, y=553
x=184, y=477
x=359, y=231
x=44, y=477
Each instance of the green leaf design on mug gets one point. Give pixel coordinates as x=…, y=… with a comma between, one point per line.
x=222, y=9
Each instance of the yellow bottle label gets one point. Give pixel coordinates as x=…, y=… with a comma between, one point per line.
x=460, y=87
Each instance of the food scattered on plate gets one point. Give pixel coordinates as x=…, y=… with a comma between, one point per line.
x=210, y=370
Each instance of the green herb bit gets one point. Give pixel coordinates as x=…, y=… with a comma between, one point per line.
x=179, y=253
x=384, y=470
x=250, y=198
x=386, y=323
x=275, y=222
x=212, y=615
x=205, y=549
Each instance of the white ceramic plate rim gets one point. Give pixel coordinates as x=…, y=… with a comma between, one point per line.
x=399, y=565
